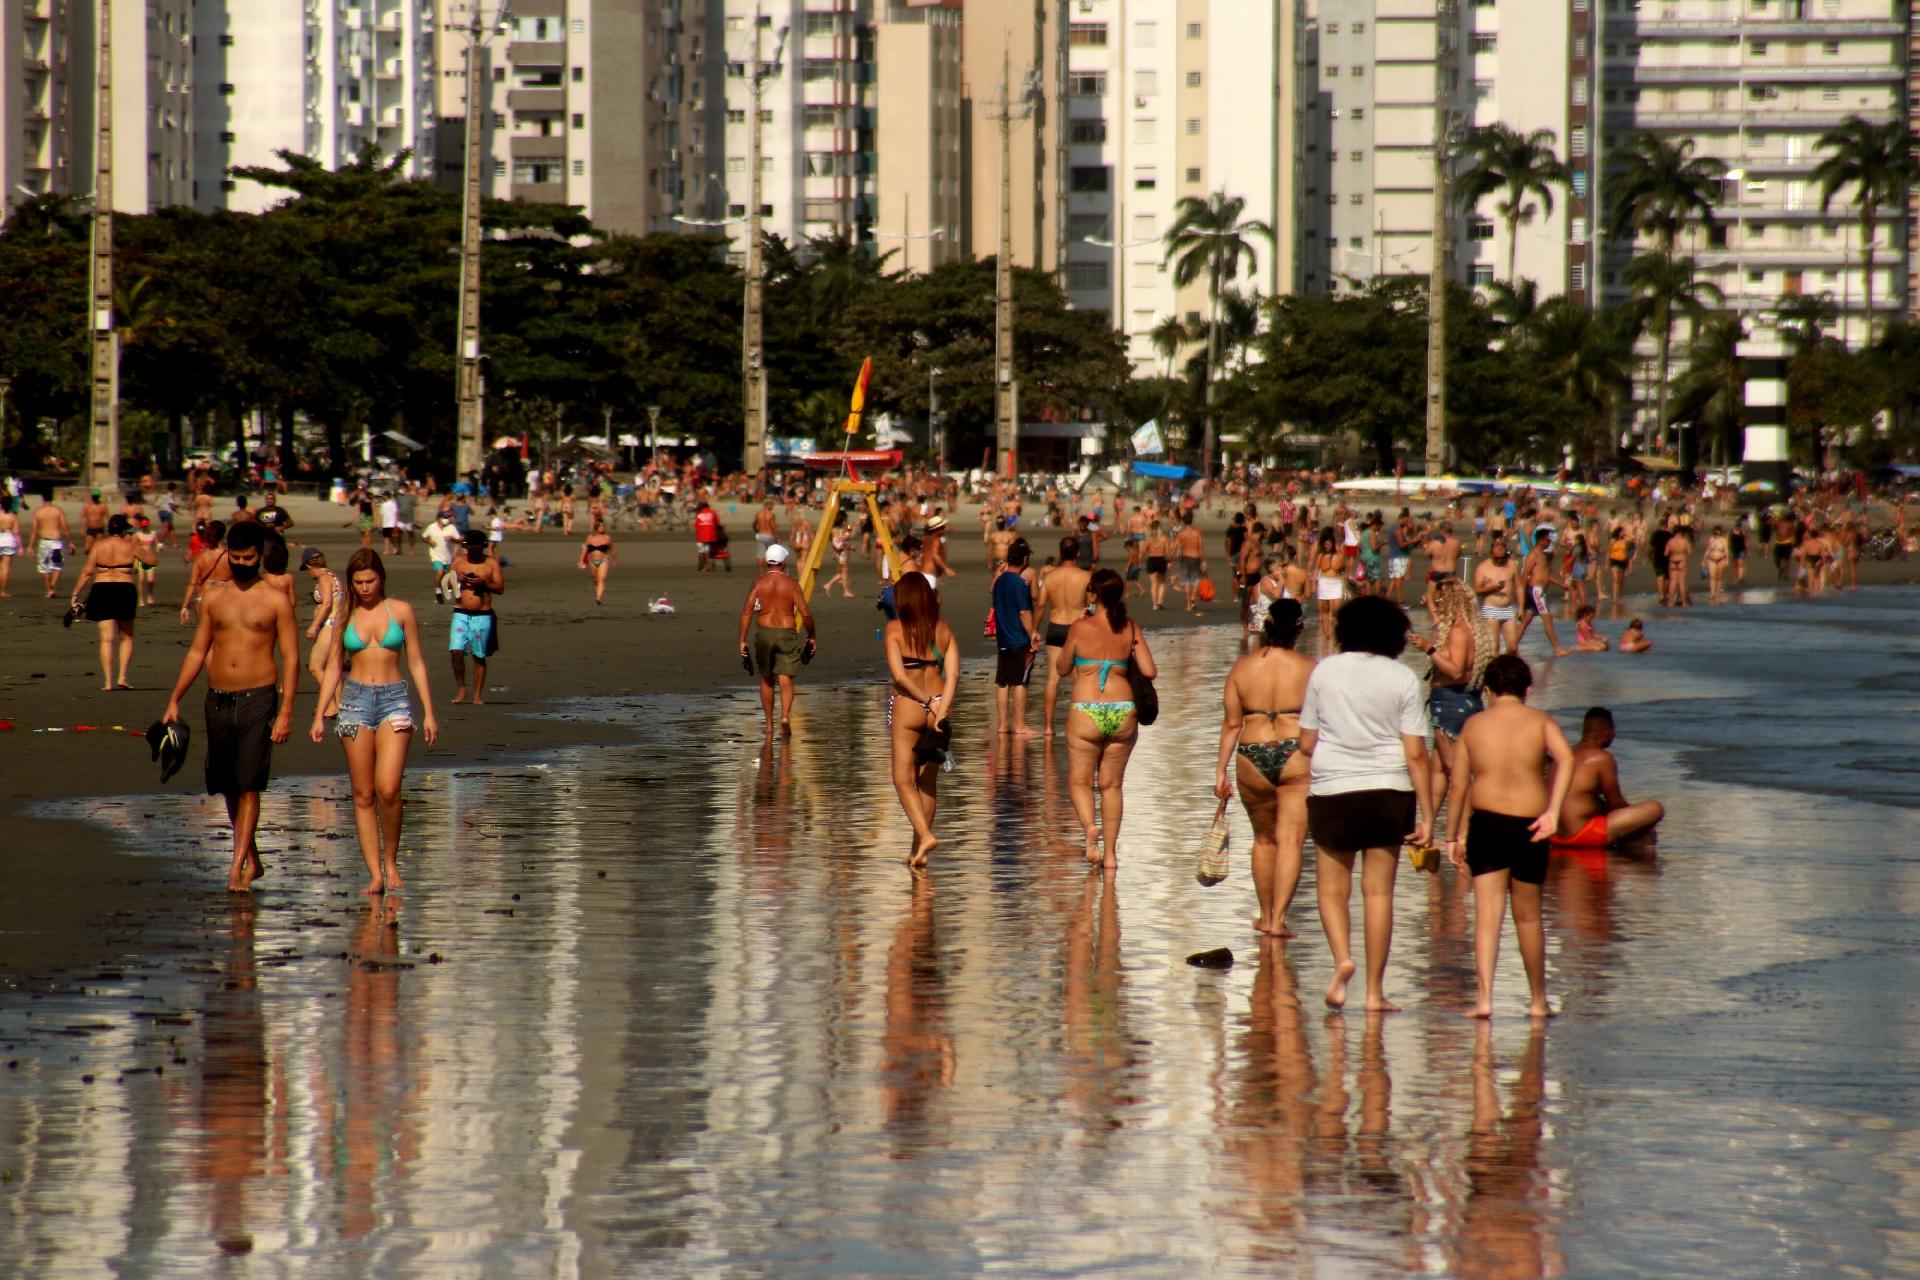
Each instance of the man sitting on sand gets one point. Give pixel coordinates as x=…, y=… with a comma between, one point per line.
x=1596, y=813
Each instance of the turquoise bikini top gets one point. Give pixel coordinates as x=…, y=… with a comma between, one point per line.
x=394, y=638
x=1105, y=664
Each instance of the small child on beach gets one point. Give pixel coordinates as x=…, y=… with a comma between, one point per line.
x=1586, y=638
x=1634, y=638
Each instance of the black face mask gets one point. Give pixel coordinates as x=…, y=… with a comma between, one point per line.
x=244, y=573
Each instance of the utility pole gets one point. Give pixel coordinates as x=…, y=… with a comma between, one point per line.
x=1442, y=244
x=753, y=370
x=467, y=382
x=1006, y=426
x=103, y=436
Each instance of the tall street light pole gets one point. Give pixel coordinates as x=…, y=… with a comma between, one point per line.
x=1437, y=292
x=753, y=371
x=1005, y=113
x=103, y=436
x=468, y=387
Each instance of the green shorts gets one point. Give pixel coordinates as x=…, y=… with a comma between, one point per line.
x=776, y=650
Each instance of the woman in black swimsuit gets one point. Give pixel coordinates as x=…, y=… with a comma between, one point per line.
x=924, y=660
x=1262, y=728
x=597, y=557
x=115, y=600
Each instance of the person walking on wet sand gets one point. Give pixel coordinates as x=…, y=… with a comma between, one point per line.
x=1105, y=652
x=597, y=557
x=776, y=610
x=1596, y=813
x=475, y=632
x=115, y=599
x=244, y=627
x=923, y=659
x=49, y=535
x=1363, y=724
x=1016, y=639
x=208, y=567
x=1063, y=593
x=1501, y=810
x=1260, y=738
x=375, y=721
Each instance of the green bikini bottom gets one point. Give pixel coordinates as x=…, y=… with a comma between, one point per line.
x=1108, y=717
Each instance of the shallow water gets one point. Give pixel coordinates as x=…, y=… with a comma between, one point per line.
x=676, y=1009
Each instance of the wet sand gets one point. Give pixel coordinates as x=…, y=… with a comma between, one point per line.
x=556, y=645
x=652, y=1011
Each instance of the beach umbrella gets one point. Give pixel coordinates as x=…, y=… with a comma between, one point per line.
x=1760, y=486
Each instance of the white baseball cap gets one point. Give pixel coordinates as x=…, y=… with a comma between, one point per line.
x=776, y=554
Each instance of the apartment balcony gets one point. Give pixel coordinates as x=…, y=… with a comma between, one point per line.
x=535, y=147
x=390, y=69
x=38, y=11
x=540, y=192
x=1776, y=256
x=537, y=53
x=1768, y=116
x=1642, y=74
x=553, y=101
x=1641, y=26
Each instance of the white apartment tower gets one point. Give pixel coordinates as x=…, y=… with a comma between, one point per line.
x=919, y=133
x=41, y=71
x=1755, y=83
x=1167, y=99
x=322, y=78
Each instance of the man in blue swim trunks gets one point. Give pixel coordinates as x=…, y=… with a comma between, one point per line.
x=475, y=631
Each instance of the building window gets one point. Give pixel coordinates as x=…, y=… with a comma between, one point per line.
x=1146, y=35
x=1145, y=177
x=1359, y=28
x=1483, y=90
x=1087, y=131
x=1482, y=274
x=1759, y=48
x=736, y=164
x=1480, y=229
x=1357, y=72
x=1193, y=176
x=1830, y=93
x=1484, y=43
x=1333, y=73
x=1193, y=125
x=1145, y=226
x=1146, y=131
x=1577, y=275
x=1359, y=113
x=1830, y=47
x=819, y=117
x=1193, y=31
x=1580, y=183
x=1146, y=83
x=1579, y=93
x=579, y=168
x=1091, y=177
x=818, y=69
x=1356, y=242
x=819, y=24
x=1193, y=79
x=1578, y=143
x=1087, y=84
x=1082, y=225
x=1087, y=35
x=226, y=90
x=1356, y=199
x=579, y=121
x=1579, y=230
x=499, y=168
x=1332, y=198
x=579, y=27
x=1086, y=275
x=1356, y=156
x=579, y=74
x=1756, y=277
x=736, y=115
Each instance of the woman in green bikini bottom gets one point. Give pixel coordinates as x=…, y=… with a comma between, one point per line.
x=1261, y=728
x=1103, y=651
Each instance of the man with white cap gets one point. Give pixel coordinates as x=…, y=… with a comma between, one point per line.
x=777, y=611
x=933, y=552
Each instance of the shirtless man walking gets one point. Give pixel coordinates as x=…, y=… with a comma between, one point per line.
x=1190, y=566
x=1596, y=812
x=766, y=531
x=776, y=610
x=1496, y=581
x=1500, y=812
x=1537, y=573
x=244, y=626
x=473, y=635
x=48, y=537
x=93, y=519
x=1443, y=557
x=1063, y=594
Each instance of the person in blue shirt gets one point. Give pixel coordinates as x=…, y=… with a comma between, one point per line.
x=1014, y=633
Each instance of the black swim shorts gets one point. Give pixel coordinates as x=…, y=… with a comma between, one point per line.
x=240, y=739
x=1356, y=820
x=1056, y=634
x=1014, y=668
x=1503, y=842
x=112, y=602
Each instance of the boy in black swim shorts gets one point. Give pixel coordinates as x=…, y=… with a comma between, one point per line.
x=1502, y=812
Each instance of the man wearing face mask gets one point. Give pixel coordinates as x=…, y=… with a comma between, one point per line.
x=1496, y=580
x=244, y=626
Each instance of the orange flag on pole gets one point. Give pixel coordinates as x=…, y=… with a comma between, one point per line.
x=860, y=394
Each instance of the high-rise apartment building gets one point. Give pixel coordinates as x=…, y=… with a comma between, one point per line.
x=1755, y=83
x=323, y=80
x=38, y=73
x=920, y=134
x=1168, y=100
x=1013, y=59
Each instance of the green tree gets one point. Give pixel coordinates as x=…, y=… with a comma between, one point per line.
x=1209, y=238
x=1804, y=318
x=1521, y=168
x=1711, y=392
x=1168, y=336
x=1587, y=357
x=1877, y=161
x=1513, y=304
x=1660, y=187
x=1664, y=287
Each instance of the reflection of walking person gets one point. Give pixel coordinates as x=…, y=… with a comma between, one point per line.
x=924, y=660
x=244, y=625
x=475, y=633
x=375, y=721
x=776, y=610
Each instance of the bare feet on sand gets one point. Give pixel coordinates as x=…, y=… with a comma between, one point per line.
x=1380, y=1004
x=1272, y=928
x=394, y=882
x=922, y=846
x=1337, y=989
x=459, y=695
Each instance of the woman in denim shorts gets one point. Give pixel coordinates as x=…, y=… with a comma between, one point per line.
x=375, y=720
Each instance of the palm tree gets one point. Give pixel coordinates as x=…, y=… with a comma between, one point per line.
x=1877, y=161
x=1804, y=318
x=1209, y=237
x=1661, y=187
x=1711, y=393
x=1523, y=166
x=1513, y=304
x=1585, y=355
x=1663, y=286
x=1168, y=337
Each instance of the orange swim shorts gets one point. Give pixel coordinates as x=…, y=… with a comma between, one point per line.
x=1591, y=836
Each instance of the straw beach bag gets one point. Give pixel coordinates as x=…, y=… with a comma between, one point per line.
x=1211, y=866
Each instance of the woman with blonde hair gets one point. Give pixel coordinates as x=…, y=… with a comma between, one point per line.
x=924, y=661
x=1261, y=728
x=1461, y=645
